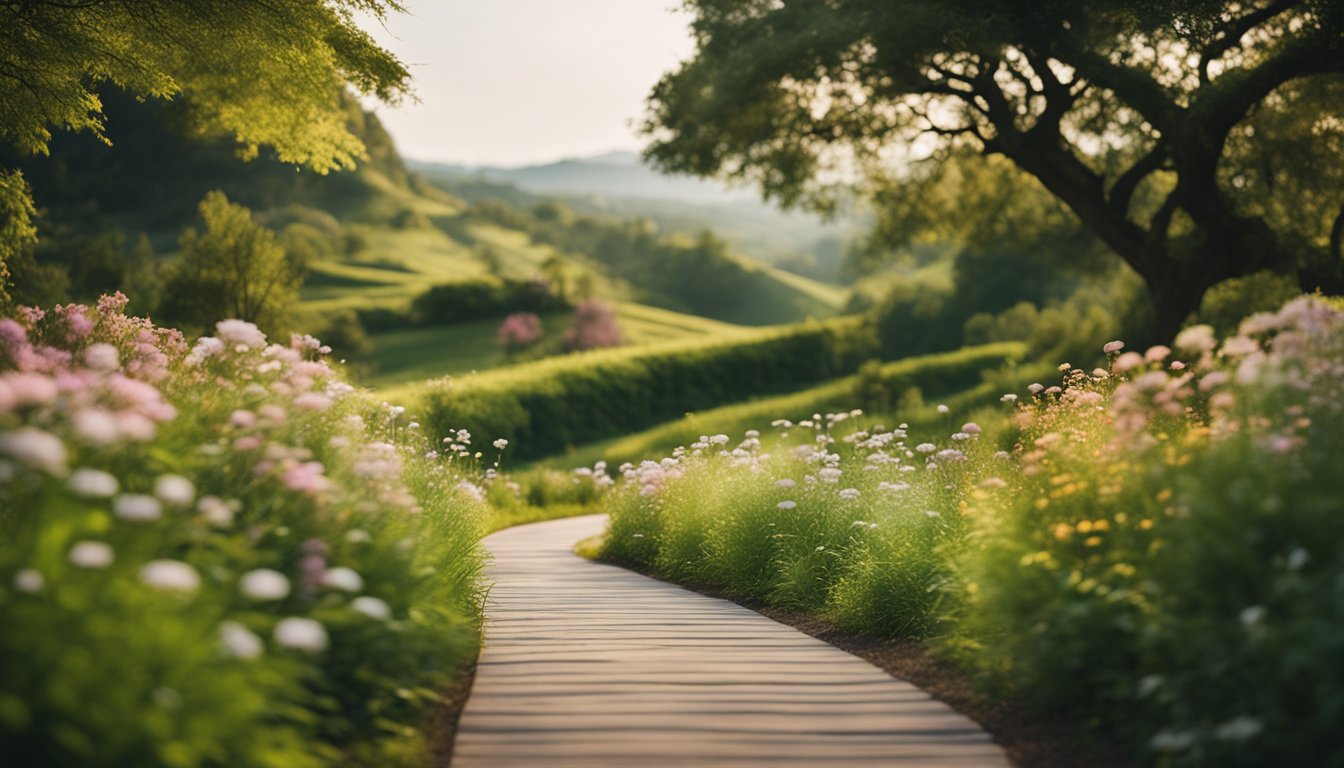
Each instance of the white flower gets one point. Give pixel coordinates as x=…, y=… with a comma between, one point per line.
x=102, y=357
x=943, y=408
x=35, y=448
x=786, y=504
x=30, y=581
x=358, y=536
x=1172, y=741
x=137, y=508
x=92, y=483
x=1035, y=389
x=1009, y=398
x=371, y=607
x=170, y=575
x=926, y=447
x=301, y=634
x=216, y=511
x=849, y=494
x=501, y=443
x=971, y=427
x=718, y=440
x=343, y=578
x=240, y=332
x=1239, y=729
x=91, y=554
x=786, y=483
x=1252, y=615
x=1196, y=338
x=1113, y=346
x=752, y=434
x=95, y=426
x=238, y=641
x=175, y=490
x=264, y=584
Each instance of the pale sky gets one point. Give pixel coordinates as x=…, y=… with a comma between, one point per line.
x=517, y=82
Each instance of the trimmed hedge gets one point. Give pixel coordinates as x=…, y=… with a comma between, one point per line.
x=544, y=407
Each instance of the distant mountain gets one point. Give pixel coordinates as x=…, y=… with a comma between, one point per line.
x=620, y=184
x=614, y=174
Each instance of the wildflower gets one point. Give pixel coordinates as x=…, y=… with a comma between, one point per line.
x=501, y=444
x=238, y=641
x=343, y=578
x=95, y=426
x=175, y=490
x=1126, y=362
x=1009, y=398
x=35, y=448
x=371, y=607
x=829, y=474
x=358, y=536
x=786, y=483
x=92, y=483
x=786, y=504
x=942, y=408
x=102, y=357
x=1112, y=347
x=30, y=389
x=1239, y=346
x=1196, y=339
x=137, y=508
x=241, y=333
x=971, y=427
x=926, y=447
x=1035, y=389
x=312, y=401
x=1252, y=615
x=849, y=494
x=1239, y=729
x=1156, y=354
x=301, y=634
x=1172, y=741
x=753, y=434
x=216, y=511
x=91, y=554
x=170, y=576
x=264, y=584
x=306, y=478
x=718, y=439
x=30, y=581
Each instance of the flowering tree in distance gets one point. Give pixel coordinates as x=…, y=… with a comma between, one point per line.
x=519, y=330
x=594, y=327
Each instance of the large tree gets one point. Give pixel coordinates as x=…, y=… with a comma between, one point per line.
x=268, y=72
x=1198, y=139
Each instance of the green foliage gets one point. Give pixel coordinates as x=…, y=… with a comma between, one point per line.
x=1158, y=553
x=1173, y=161
x=187, y=471
x=956, y=375
x=1228, y=303
x=484, y=298
x=17, y=233
x=273, y=76
x=234, y=269
x=546, y=406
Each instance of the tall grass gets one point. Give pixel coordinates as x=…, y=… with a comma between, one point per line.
x=1154, y=546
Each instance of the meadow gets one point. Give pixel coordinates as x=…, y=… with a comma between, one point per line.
x=1151, y=544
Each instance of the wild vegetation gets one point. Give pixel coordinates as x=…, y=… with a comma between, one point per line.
x=282, y=572
x=1151, y=543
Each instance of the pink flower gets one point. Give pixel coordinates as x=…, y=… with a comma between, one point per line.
x=312, y=401
x=243, y=419
x=1113, y=346
x=102, y=357
x=95, y=426
x=30, y=389
x=35, y=448
x=306, y=478
x=240, y=332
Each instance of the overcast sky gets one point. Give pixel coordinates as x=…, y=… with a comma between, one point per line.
x=517, y=82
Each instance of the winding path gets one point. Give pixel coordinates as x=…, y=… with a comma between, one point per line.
x=591, y=665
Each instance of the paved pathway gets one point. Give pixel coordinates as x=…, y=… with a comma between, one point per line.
x=592, y=665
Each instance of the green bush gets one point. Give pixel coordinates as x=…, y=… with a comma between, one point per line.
x=482, y=299
x=544, y=407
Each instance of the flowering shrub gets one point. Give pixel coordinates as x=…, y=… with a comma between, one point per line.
x=594, y=327
x=217, y=554
x=519, y=330
x=1160, y=549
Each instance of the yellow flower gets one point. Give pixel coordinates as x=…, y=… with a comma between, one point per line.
x=1063, y=531
x=1092, y=541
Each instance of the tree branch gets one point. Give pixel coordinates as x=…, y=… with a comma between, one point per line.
x=1122, y=191
x=1232, y=34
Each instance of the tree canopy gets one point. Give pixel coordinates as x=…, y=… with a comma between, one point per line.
x=1199, y=140
x=266, y=72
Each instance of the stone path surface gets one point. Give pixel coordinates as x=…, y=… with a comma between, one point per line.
x=591, y=665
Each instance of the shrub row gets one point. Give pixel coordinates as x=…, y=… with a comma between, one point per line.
x=483, y=298
x=546, y=406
